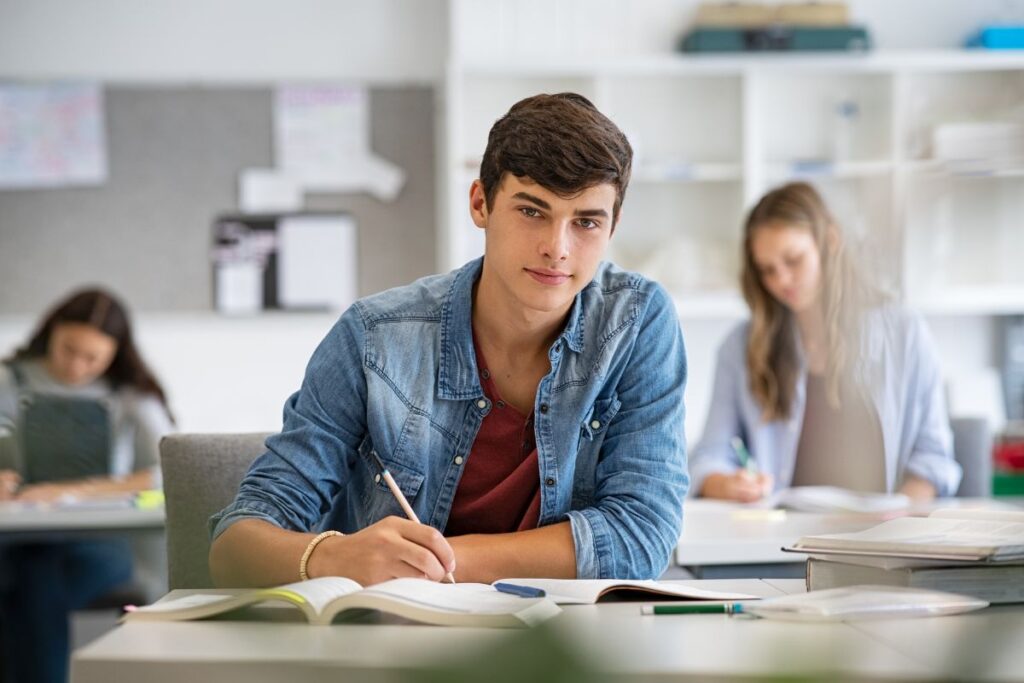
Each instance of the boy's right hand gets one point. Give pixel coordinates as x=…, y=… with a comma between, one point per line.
x=741, y=485
x=9, y=483
x=392, y=548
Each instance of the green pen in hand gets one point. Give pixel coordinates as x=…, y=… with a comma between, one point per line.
x=746, y=462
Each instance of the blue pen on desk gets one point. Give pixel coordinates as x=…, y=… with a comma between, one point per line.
x=746, y=462
x=521, y=591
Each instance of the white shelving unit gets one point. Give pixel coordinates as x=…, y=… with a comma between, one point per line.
x=713, y=133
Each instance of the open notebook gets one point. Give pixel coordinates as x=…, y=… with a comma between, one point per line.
x=321, y=599
x=590, y=591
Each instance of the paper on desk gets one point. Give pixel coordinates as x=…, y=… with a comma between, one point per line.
x=834, y=499
x=854, y=603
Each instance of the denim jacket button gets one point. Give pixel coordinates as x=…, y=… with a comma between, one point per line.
x=544, y=408
x=458, y=459
x=481, y=404
x=595, y=424
x=549, y=481
x=376, y=478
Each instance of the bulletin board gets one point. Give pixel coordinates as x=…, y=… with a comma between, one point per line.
x=174, y=155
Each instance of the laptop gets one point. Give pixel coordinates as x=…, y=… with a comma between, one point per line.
x=64, y=438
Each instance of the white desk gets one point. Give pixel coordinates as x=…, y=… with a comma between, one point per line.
x=144, y=528
x=18, y=521
x=722, y=539
x=718, y=534
x=611, y=638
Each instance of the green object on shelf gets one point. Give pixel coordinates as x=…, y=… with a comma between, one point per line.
x=1008, y=484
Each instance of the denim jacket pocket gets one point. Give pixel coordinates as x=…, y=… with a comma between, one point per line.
x=599, y=417
x=378, y=499
x=592, y=431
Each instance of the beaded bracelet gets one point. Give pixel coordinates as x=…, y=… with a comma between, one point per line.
x=309, y=551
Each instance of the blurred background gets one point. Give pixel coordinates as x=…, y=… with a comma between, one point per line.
x=238, y=170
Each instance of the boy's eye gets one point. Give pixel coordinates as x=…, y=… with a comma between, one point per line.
x=529, y=212
x=588, y=224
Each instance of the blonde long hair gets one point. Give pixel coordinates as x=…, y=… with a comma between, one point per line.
x=773, y=356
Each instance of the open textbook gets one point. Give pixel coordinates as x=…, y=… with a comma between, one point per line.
x=834, y=499
x=590, y=591
x=946, y=535
x=321, y=599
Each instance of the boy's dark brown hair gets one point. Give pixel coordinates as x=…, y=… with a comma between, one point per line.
x=562, y=142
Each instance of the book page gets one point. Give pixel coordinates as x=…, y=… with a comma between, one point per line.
x=466, y=598
x=1002, y=515
x=185, y=603
x=835, y=499
x=927, y=534
x=589, y=591
x=317, y=593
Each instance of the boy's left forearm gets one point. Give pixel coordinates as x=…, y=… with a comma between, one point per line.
x=546, y=552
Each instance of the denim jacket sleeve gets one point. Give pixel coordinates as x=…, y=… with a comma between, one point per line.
x=713, y=452
x=931, y=455
x=293, y=483
x=633, y=526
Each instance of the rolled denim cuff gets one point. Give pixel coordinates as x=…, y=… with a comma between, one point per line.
x=239, y=510
x=587, y=541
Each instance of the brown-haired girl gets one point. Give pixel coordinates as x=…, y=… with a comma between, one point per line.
x=829, y=382
x=78, y=404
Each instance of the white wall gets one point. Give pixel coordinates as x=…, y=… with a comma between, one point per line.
x=220, y=374
x=223, y=40
x=234, y=375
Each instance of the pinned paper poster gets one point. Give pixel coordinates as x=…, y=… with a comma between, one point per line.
x=51, y=135
x=316, y=262
x=266, y=190
x=322, y=138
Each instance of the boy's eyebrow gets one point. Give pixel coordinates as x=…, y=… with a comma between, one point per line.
x=526, y=196
x=531, y=198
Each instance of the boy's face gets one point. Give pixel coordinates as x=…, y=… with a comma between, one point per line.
x=542, y=249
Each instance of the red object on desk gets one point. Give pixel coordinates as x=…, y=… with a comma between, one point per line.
x=1010, y=456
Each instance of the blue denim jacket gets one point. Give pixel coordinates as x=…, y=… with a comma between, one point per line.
x=398, y=375
x=899, y=366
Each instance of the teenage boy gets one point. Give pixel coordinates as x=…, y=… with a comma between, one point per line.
x=529, y=405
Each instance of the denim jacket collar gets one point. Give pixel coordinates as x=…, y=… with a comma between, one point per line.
x=458, y=375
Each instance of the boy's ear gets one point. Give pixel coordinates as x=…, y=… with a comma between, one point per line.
x=478, y=204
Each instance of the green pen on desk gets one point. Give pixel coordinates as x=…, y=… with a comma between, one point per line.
x=746, y=462
x=698, y=608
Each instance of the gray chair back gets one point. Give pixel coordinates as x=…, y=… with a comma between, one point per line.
x=201, y=477
x=972, y=448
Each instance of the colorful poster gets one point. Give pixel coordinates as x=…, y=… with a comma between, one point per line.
x=51, y=135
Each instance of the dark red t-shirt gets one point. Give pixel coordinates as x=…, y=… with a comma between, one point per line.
x=500, y=488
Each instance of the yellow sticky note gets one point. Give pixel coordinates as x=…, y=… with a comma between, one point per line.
x=147, y=500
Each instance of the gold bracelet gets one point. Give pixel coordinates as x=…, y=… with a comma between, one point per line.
x=310, y=548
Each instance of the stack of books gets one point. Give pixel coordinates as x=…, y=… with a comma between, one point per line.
x=971, y=552
x=786, y=26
